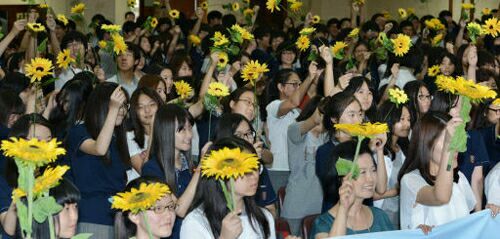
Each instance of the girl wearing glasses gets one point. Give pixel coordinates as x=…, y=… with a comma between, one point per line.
x=420, y=99
x=161, y=217
x=209, y=216
x=98, y=156
x=170, y=158
x=487, y=120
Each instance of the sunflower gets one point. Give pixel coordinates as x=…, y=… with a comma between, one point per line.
x=194, y=39
x=354, y=33
x=402, y=13
x=473, y=91
x=410, y=11
x=102, y=44
x=174, y=13
x=492, y=27
x=218, y=89
x=245, y=35
x=235, y=6
x=273, y=4
x=223, y=59
x=397, y=96
x=486, y=11
x=402, y=44
x=445, y=83
x=183, y=89
x=252, y=71
x=246, y=1
x=496, y=102
x=119, y=45
x=204, y=5
x=434, y=24
x=131, y=3
x=35, y=27
x=49, y=179
x=359, y=2
x=78, y=8
x=338, y=50
x=43, y=6
x=220, y=39
x=436, y=40
x=33, y=151
x=303, y=43
x=111, y=28
x=156, y=3
x=38, y=68
x=363, y=130
x=467, y=6
x=307, y=31
x=316, y=19
x=62, y=19
x=295, y=6
x=433, y=71
x=248, y=12
x=474, y=30
x=141, y=199
x=228, y=163
x=64, y=59
x=154, y=22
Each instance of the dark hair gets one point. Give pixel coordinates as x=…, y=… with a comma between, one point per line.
x=261, y=32
x=10, y=103
x=390, y=113
x=227, y=125
x=310, y=107
x=443, y=102
x=214, y=15
x=281, y=78
x=73, y=36
x=210, y=197
x=333, y=21
x=444, y=13
x=138, y=128
x=331, y=181
x=150, y=81
x=169, y=119
x=334, y=108
x=354, y=85
x=411, y=89
x=454, y=60
x=129, y=26
x=228, y=20
x=95, y=117
x=129, y=13
x=177, y=61
x=15, y=81
x=124, y=228
x=135, y=49
x=75, y=93
x=13, y=61
x=423, y=139
x=484, y=58
x=234, y=96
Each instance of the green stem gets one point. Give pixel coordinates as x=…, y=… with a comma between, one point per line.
x=233, y=198
x=30, y=177
x=356, y=154
x=51, y=227
x=209, y=123
x=226, y=195
x=148, y=227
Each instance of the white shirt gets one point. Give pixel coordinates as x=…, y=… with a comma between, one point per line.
x=492, y=185
x=462, y=201
x=196, y=225
x=133, y=150
x=404, y=76
x=65, y=76
x=278, y=130
x=130, y=87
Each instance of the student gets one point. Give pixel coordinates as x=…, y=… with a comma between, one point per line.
x=419, y=99
x=169, y=158
x=155, y=83
x=431, y=194
x=77, y=44
x=143, y=106
x=359, y=88
x=349, y=216
x=98, y=156
x=209, y=216
x=491, y=189
x=127, y=63
x=160, y=218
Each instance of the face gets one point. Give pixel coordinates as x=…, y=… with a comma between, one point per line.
x=76, y=49
x=130, y=17
x=364, y=185
x=345, y=24
x=455, y=110
x=161, y=218
x=126, y=61
x=380, y=21
x=288, y=88
x=276, y=42
x=167, y=76
x=40, y=132
x=142, y=62
x=246, y=185
x=333, y=29
x=145, y=45
x=408, y=30
x=122, y=113
x=183, y=137
x=287, y=57
x=352, y=114
x=162, y=91
x=68, y=218
x=447, y=67
x=402, y=127
x=493, y=114
x=245, y=132
x=364, y=96
x=359, y=52
x=185, y=70
x=146, y=110
x=245, y=105
x=264, y=42
x=438, y=149
x=59, y=32
x=424, y=100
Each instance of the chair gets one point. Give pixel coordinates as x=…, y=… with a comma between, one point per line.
x=281, y=197
x=282, y=227
x=307, y=225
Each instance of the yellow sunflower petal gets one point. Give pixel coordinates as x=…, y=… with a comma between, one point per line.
x=78, y=8
x=402, y=44
x=218, y=89
x=64, y=59
x=364, y=130
x=143, y=198
x=38, y=68
x=228, y=163
x=303, y=43
x=33, y=151
x=183, y=89
x=397, y=96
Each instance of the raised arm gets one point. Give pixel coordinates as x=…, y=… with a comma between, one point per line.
x=197, y=108
x=295, y=99
x=16, y=29
x=472, y=60
x=329, y=82
x=54, y=43
x=175, y=37
x=200, y=13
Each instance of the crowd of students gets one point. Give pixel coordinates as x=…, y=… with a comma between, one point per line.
x=122, y=122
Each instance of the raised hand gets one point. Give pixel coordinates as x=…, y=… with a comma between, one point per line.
x=231, y=226
x=117, y=98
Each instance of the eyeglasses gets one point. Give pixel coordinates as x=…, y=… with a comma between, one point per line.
x=247, y=102
x=497, y=111
x=425, y=97
x=250, y=135
x=294, y=84
x=161, y=209
x=125, y=107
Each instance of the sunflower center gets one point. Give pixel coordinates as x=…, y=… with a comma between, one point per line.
x=138, y=197
x=39, y=68
x=228, y=162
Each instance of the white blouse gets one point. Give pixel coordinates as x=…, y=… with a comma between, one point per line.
x=196, y=225
x=413, y=214
x=492, y=185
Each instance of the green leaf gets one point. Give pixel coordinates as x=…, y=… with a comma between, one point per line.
x=42, y=47
x=312, y=56
x=52, y=80
x=343, y=167
x=234, y=50
x=45, y=207
x=82, y=236
x=22, y=214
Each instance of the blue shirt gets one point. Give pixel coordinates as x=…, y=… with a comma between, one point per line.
x=492, y=144
x=323, y=156
x=265, y=194
x=324, y=223
x=183, y=176
x=476, y=154
x=5, y=201
x=4, y=134
x=97, y=180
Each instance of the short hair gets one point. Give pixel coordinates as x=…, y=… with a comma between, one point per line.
x=73, y=36
x=214, y=15
x=129, y=13
x=261, y=32
x=333, y=21
x=445, y=13
x=129, y=26
x=228, y=20
x=135, y=49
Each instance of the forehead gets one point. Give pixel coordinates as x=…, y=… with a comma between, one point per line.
x=365, y=161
